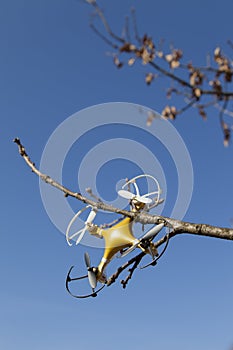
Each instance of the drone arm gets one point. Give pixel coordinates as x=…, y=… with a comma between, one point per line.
x=95, y=230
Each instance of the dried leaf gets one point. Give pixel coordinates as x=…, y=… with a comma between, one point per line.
x=169, y=58
x=216, y=84
x=224, y=67
x=151, y=45
x=196, y=78
x=175, y=64
x=190, y=67
x=202, y=113
x=125, y=48
x=132, y=47
x=192, y=79
x=169, y=112
x=160, y=54
x=227, y=134
x=173, y=110
x=145, y=56
x=217, y=52
x=197, y=93
x=151, y=117
x=149, y=78
x=147, y=41
x=131, y=61
x=177, y=54
x=226, y=142
x=117, y=62
x=173, y=58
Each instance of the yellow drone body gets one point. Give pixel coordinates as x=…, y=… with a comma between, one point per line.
x=116, y=238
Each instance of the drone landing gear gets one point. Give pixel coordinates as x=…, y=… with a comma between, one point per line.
x=91, y=275
x=69, y=280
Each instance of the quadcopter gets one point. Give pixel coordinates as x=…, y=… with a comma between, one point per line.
x=119, y=238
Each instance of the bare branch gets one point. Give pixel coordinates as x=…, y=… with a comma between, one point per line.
x=178, y=226
x=224, y=125
x=187, y=106
x=204, y=83
x=131, y=271
x=135, y=28
x=90, y=192
x=103, y=37
x=105, y=22
x=135, y=260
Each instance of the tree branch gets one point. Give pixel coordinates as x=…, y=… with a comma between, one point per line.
x=178, y=226
x=208, y=83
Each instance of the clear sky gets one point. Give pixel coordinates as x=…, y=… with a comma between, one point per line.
x=53, y=66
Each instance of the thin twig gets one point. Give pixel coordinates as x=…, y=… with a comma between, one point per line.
x=90, y=192
x=105, y=23
x=103, y=37
x=135, y=28
x=126, y=31
x=225, y=128
x=187, y=106
x=131, y=271
x=114, y=276
x=145, y=51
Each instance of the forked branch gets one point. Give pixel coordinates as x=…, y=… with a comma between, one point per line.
x=200, y=87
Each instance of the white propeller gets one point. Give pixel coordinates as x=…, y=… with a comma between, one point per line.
x=140, y=198
x=130, y=195
x=147, y=236
x=90, y=272
x=81, y=232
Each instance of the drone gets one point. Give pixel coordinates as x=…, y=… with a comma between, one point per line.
x=119, y=238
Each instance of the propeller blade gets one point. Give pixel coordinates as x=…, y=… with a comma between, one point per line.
x=150, y=234
x=129, y=250
x=126, y=194
x=129, y=195
x=91, y=274
x=91, y=216
x=143, y=199
x=153, y=232
x=81, y=234
x=92, y=278
x=87, y=260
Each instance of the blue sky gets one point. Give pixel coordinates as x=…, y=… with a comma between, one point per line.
x=52, y=66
